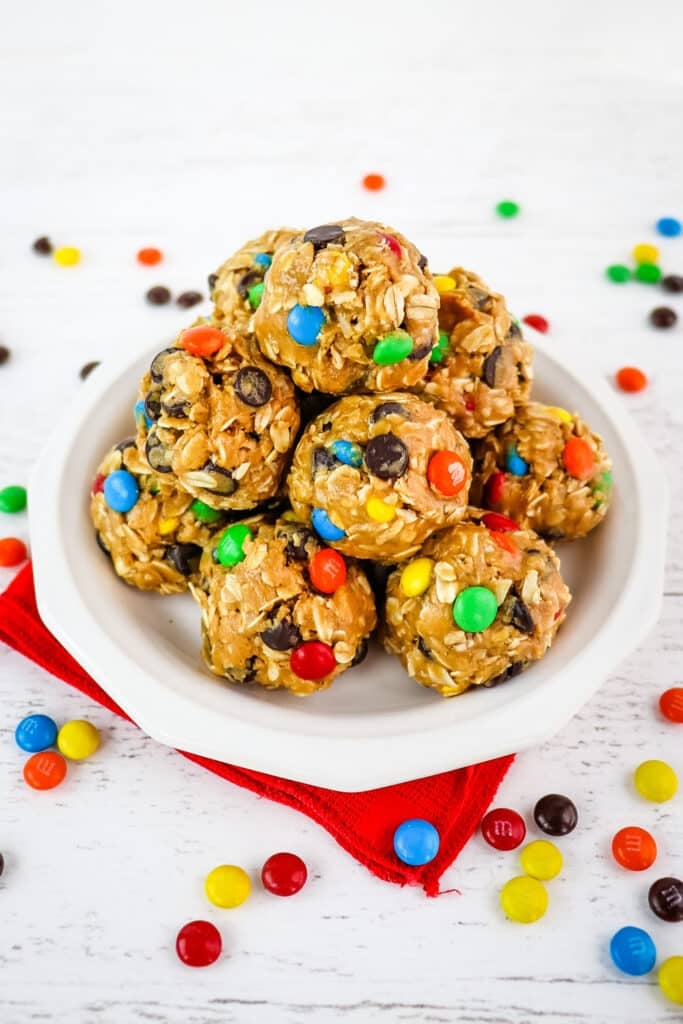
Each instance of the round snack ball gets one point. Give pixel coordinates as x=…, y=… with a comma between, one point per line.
x=198, y=944
x=481, y=367
x=12, y=552
x=284, y=874
x=265, y=621
x=541, y=859
x=665, y=898
x=416, y=842
x=503, y=828
x=671, y=704
x=670, y=227
x=634, y=848
x=35, y=733
x=445, y=635
x=157, y=543
x=524, y=899
x=618, y=273
x=219, y=418
x=349, y=306
x=227, y=886
x=630, y=378
x=656, y=781
x=633, y=951
x=670, y=978
x=237, y=285
x=78, y=740
x=663, y=316
x=546, y=470
x=45, y=770
x=556, y=815
x=376, y=475
x=13, y=499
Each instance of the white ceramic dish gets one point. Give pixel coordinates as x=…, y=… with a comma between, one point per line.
x=375, y=726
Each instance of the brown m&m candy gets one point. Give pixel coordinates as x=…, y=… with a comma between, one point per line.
x=666, y=899
x=555, y=815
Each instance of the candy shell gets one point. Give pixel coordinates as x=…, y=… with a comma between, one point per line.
x=416, y=842
x=227, y=886
x=524, y=899
x=78, y=740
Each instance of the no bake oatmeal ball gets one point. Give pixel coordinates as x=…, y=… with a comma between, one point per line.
x=481, y=366
x=237, y=285
x=349, y=306
x=546, y=470
x=377, y=474
x=280, y=609
x=475, y=608
x=217, y=417
x=153, y=532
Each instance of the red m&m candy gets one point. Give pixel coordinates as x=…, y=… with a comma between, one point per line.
x=537, y=321
x=198, y=943
x=493, y=491
x=671, y=704
x=503, y=828
x=393, y=244
x=203, y=340
x=12, y=551
x=634, y=848
x=284, y=874
x=312, y=660
x=327, y=570
x=447, y=473
x=98, y=483
x=499, y=523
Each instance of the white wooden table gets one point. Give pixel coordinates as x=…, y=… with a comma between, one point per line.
x=192, y=128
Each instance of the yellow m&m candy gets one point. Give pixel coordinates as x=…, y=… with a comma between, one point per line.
x=541, y=859
x=379, y=510
x=444, y=284
x=656, y=780
x=645, y=253
x=559, y=414
x=670, y=978
x=416, y=576
x=78, y=740
x=227, y=886
x=168, y=525
x=524, y=899
x=67, y=256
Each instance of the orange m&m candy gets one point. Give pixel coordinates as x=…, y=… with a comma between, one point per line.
x=327, y=570
x=630, y=378
x=374, y=182
x=634, y=848
x=45, y=770
x=670, y=703
x=578, y=458
x=12, y=551
x=203, y=340
x=447, y=473
x=149, y=257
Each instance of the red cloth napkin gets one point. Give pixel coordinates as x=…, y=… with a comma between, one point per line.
x=363, y=823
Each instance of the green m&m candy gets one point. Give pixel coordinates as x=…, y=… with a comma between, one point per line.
x=204, y=513
x=230, y=549
x=648, y=273
x=440, y=349
x=254, y=295
x=618, y=273
x=13, y=499
x=392, y=348
x=474, y=609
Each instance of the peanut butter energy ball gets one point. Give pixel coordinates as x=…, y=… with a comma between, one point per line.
x=237, y=285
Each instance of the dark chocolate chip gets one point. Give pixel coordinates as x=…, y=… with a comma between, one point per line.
x=556, y=815
x=253, y=435
x=282, y=636
x=158, y=295
x=223, y=480
x=422, y=262
x=488, y=370
x=101, y=544
x=156, y=370
x=253, y=386
x=188, y=299
x=421, y=352
x=514, y=331
x=666, y=899
x=554, y=534
x=327, y=425
x=672, y=283
x=176, y=410
x=43, y=246
x=386, y=456
x=128, y=442
x=211, y=281
x=662, y=316
x=521, y=617
x=378, y=575
x=322, y=458
x=388, y=409
x=86, y=370
x=217, y=378
x=184, y=558
x=422, y=647
x=4, y=354
x=241, y=673
x=153, y=405
x=477, y=297
x=158, y=456
x=325, y=234
x=247, y=281
x=297, y=538
x=509, y=673
x=361, y=653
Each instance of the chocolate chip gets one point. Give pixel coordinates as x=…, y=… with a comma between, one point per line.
x=420, y=352
x=327, y=425
x=253, y=435
x=672, y=283
x=386, y=456
x=4, y=354
x=241, y=673
x=282, y=636
x=158, y=295
x=247, y=281
x=297, y=538
x=176, y=410
x=324, y=235
x=520, y=617
x=153, y=405
x=128, y=442
x=158, y=456
x=554, y=534
x=43, y=246
x=388, y=409
x=86, y=370
x=477, y=297
x=514, y=331
x=217, y=378
x=322, y=459
x=422, y=647
x=422, y=262
x=662, y=316
x=101, y=545
x=253, y=386
x=509, y=673
x=188, y=299
x=488, y=370
x=184, y=558
x=156, y=370
x=361, y=653
x=378, y=575
x=223, y=481
x=211, y=281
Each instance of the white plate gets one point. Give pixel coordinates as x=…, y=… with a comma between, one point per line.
x=375, y=726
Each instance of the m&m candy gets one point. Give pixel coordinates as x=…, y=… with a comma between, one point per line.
x=45, y=770
x=227, y=886
x=324, y=527
x=416, y=576
x=149, y=257
x=499, y=523
x=537, y=321
x=524, y=899
x=578, y=458
x=507, y=208
x=447, y=473
x=67, y=256
x=655, y=780
x=198, y=944
x=444, y=284
x=555, y=815
x=304, y=324
x=12, y=552
x=312, y=660
x=255, y=294
x=78, y=739
x=263, y=259
x=121, y=491
x=13, y=499
x=541, y=860
x=35, y=733
x=633, y=951
x=379, y=510
x=204, y=513
x=347, y=452
x=503, y=828
x=634, y=848
x=665, y=898
x=374, y=182
x=230, y=548
x=284, y=874
x=618, y=273
x=514, y=463
x=648, y=273
x=671, y=704
x=392, y=348
x=630, y=378
x=670, y=227
x=327, y=570
x=474, y=609
x=645, y=253
x=202, y=340
x=670, y=978
x=416, y=842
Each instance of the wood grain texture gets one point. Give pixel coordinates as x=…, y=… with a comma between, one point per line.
x=192, y=128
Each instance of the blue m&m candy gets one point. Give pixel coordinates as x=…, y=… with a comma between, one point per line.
x=633, y=951
x=324, y=527
x=416, y=842
x=121, y=491
x=347, y=452
x=670, y=227
x=262, y=259
x=36, y=733
x=304, y=323
x=141, y=415
x=514, y=463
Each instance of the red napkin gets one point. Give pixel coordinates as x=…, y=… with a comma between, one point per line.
x=363, y=823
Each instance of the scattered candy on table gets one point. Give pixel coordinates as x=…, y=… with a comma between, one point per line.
x=13, y=499
x=88, y=368
x=227, y=886
x=507, y=208
x=541, y=859
x=665, y=898
x=149, y=257
x=618, y=273
x=4, y=354
x=634, y=848
x=537, y=321
x=672, y=283
x=662, y=316
x=159, y=295
x=633, y=951
x=656, y=780
x=12, y=552
x=648, y=273
x=374, y=182
x=503, y=828
x=45, y=770
x=645, y=253
x=284, y=874
x=670, y=227
x=198, y=944
x=42, y=246
x=670, y=978
x=416, y=842
x=67, y=256
x=524, y=899
x=186, y=300
x=78, y=740
x=630, y=378
x=35, y=733
x=671, y=704
x=556, y=815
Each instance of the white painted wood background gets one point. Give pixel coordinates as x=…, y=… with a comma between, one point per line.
x=192, y=127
